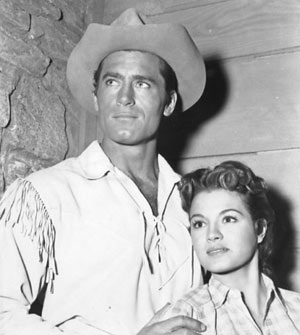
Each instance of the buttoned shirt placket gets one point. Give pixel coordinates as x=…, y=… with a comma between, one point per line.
x=154, y=227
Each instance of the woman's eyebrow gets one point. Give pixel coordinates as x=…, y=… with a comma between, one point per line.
x=230, y=210
x=197, y=215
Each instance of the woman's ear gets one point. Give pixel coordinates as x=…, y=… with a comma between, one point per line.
x=170, y=106
x=95, y=102
x=261, y=227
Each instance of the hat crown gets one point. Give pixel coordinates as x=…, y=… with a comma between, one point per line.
x=129, y=17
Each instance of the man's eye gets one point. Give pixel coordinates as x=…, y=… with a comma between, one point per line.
x=111, y=82
x=198, y=224
x=229, y=219
x=142, y=84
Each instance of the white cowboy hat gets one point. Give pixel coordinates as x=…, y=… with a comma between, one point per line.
x=170, y=41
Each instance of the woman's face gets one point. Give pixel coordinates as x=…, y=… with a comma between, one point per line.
x=223, y=233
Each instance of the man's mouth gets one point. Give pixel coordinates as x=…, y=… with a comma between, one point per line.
x=125, y=115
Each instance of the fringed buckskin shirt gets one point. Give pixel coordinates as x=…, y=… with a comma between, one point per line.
x=84, y=228
x=224, y=311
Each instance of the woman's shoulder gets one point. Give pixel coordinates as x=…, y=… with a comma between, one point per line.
x=194, y=303
x=289, y=296
x=197, y=297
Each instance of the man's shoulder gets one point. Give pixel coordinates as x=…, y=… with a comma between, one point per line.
x=70, y=167
x=55, y=173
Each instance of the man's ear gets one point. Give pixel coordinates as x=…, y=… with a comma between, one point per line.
x=95, y=102
x=170, y=106
x=261, y=227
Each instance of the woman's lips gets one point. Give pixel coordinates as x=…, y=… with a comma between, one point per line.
x=216, y=251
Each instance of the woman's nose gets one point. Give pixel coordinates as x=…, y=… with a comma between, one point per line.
x=126, y=95
x=214, y=233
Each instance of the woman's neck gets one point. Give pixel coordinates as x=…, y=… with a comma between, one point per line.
x=251, y=285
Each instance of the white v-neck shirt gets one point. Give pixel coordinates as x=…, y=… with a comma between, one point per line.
x=110, y=264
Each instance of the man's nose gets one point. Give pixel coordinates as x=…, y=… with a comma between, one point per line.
x=214, y=233
x=126, y=95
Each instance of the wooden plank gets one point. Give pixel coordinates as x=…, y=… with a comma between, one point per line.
x=225, y=28
x=249, y=105
x=236, y=28
x=114, y=8
x=168, y=6
x=281, y=171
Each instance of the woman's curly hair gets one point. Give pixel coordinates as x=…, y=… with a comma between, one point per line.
x=236, y=177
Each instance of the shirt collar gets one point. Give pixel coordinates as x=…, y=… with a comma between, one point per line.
x=220, y=292
x=273, y=292
x=95, y=164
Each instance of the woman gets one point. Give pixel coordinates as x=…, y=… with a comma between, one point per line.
x=231, y=229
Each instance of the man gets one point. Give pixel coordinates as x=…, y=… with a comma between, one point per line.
x=105, y=231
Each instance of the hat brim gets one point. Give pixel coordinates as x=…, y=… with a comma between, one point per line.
x=171, y=42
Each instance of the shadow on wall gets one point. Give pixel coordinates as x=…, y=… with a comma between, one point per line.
x=284, y=258
x=176, y=129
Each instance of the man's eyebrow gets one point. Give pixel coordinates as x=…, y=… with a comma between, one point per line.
x=134, y=77
x=146, y=78
x=112, y=74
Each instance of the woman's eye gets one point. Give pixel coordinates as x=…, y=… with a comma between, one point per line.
x=198, y=224
x=229, y=219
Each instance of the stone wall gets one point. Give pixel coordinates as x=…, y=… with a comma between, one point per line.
x=39, y=120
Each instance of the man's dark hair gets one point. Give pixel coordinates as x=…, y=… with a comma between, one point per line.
x=165, y=69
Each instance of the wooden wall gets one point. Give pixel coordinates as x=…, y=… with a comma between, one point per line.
x=250, y=109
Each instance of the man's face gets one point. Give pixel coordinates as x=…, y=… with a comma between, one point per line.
x=131, y=97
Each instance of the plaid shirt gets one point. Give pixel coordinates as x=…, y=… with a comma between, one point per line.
x=223, y=311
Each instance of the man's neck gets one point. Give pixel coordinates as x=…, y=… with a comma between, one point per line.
x=138, y=161
x=140, y=164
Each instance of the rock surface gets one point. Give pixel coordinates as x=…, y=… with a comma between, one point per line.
x=39, y=120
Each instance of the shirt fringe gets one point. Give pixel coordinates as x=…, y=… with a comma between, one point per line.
x=22, y=205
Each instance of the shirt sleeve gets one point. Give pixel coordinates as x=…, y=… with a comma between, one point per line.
x=170, y=310
x=27, y=262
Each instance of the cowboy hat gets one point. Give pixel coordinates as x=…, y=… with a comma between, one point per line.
x=170, y=41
